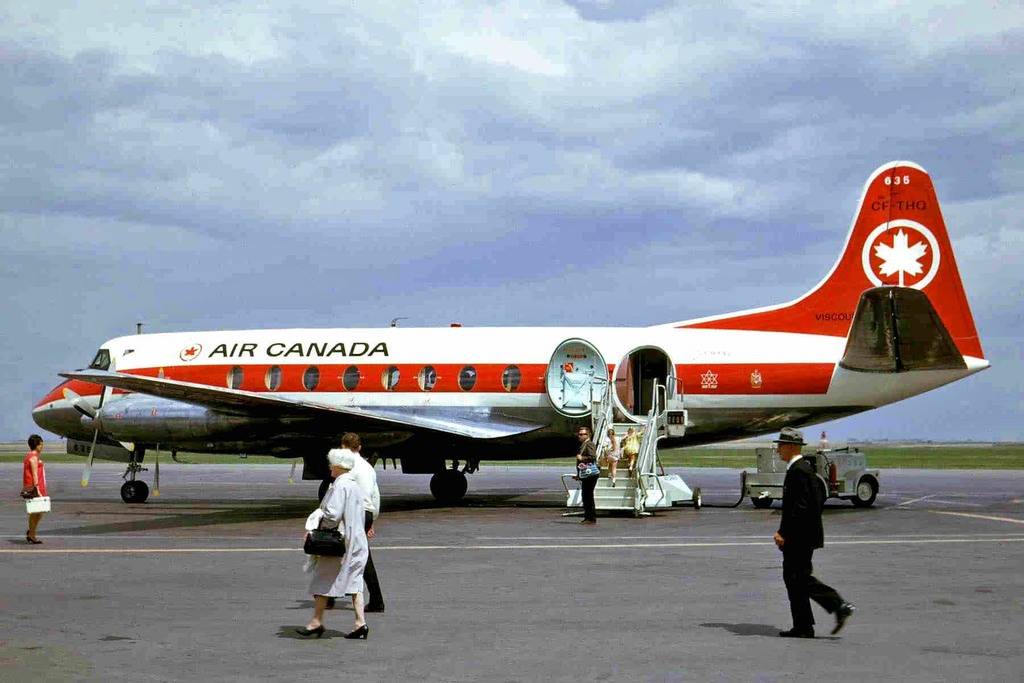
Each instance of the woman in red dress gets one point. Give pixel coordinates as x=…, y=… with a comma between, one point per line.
x=33, y=474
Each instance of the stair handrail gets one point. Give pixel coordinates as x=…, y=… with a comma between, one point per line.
x=600, y=414
x=646, y=465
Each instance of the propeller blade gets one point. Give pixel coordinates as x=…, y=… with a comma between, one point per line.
x=156, y=471
x=81, y=406
x=87, y=472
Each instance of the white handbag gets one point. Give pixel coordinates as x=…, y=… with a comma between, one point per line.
x=37, y=504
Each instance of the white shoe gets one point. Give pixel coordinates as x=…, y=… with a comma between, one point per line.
x=613, y=483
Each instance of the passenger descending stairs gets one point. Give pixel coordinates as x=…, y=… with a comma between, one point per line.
x=647, y=487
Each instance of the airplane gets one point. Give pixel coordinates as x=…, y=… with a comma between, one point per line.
x=890, y=320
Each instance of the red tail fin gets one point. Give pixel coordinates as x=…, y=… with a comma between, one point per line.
x=898, y=238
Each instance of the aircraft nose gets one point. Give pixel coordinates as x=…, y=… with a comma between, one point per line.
x=45, y=416
x=55, y=414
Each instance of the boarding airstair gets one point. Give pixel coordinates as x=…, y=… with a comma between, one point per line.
x=647, y=486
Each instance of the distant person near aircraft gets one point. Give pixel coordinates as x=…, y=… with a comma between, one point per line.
x=631, y=447
x=33, y=482
x=587, y=456
x=612, y=453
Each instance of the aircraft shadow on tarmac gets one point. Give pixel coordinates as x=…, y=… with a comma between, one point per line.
x=261, y=511
x=186, y=514
x=754, y=630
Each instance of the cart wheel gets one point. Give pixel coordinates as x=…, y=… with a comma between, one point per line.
x=762, y=503
x=698, y=500
x=867, y=489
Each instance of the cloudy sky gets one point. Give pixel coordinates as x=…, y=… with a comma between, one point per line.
x=242, y=165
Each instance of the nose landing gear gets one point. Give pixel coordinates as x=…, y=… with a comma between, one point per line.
x=133, y=491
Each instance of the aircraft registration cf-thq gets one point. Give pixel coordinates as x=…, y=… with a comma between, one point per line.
x=889, y=321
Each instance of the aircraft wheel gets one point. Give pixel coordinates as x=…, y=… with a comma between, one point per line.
x=698, y=499
x=761, y=503
x=867, y=489
x=448, y=486
x=134, y=492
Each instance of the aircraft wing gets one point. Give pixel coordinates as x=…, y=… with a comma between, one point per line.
x=474, y=423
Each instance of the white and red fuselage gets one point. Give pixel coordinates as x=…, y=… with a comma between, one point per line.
x=736, y=375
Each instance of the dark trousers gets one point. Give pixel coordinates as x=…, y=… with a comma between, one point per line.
x=802, y=587
x=370, y=573
x=587, y=487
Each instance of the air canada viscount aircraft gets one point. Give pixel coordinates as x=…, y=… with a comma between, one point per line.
x=889, y=321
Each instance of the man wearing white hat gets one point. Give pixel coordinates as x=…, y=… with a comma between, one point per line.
x=800, y=534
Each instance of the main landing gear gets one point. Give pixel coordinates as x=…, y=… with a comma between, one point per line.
x=450, y=485
x=133, y=491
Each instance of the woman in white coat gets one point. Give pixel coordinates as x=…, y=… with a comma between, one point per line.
x=342, y=508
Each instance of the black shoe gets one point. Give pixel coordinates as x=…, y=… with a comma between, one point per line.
x=795, y=633
x=588, y=521
x=374, y=607
x=330, y=602
x=844, y=612
x=361, y=633
x=32, y=540
x=307, y=632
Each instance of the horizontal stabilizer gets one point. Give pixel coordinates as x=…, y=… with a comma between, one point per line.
x=896, y=329
x=470, y=422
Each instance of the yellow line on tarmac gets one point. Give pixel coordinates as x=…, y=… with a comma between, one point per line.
x=1012, y=520
x=547, y=546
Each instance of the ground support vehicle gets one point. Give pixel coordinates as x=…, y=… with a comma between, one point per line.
x=843, y=473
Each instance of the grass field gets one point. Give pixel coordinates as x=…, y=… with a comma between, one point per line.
x=954, y=456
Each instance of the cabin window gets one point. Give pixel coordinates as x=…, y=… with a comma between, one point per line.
x=235, y=377
x=273, y=377
x=467, y=378
x=311, y=378
x=427, y=378
x=511, y=378
x=101, y=361
x=350, y=380
x=389, y=378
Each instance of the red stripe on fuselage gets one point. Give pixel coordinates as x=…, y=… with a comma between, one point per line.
x=79, y=387
x=725, y=378
x=756, y=378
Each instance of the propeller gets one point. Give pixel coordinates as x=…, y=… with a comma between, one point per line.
x=79, y=403
x=291, y=475
x=81, y=406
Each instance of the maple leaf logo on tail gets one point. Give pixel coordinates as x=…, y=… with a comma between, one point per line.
x=901, y=257
x=902, y=253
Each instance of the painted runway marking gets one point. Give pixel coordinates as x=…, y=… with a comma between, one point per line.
x=546, y=546
x=1012, y=520
x=915, y=500
x=957, y=502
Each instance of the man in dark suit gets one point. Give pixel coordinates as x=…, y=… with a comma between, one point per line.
x=799, y=535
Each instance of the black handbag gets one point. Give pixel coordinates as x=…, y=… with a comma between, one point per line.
x=30, y=492
x=327, y=542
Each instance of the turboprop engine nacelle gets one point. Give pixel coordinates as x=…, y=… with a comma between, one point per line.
x=147, y=419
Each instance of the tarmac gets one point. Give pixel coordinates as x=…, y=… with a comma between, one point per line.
x=205, y=582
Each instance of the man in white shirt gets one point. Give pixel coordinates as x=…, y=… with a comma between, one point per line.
x=366, y=478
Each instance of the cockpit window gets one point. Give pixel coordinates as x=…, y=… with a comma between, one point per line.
x=101, y=361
